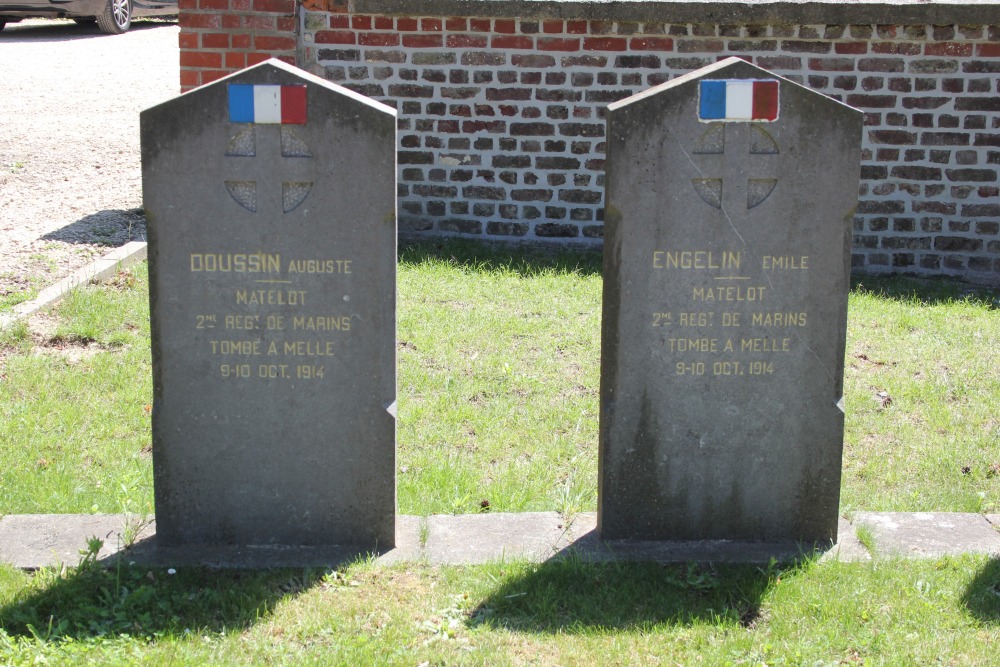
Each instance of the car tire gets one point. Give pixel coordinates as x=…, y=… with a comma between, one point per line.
x=116, y=17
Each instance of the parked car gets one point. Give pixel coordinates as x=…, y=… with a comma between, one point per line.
x=111, y=16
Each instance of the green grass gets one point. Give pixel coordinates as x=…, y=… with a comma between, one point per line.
x=498, y=392
x=498, y=379
x=934, y=349
x=560, y=612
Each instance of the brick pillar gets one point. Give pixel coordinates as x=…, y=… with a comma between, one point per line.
x=219, y=37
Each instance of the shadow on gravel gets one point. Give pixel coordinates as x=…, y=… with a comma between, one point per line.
x=111, y=228
x=66, y=30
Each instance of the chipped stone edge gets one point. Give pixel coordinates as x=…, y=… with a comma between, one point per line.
x=101, y=269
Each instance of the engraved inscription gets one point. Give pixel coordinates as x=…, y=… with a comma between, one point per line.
x=724, y=328
x=271, y=329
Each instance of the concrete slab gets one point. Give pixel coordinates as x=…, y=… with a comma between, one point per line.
x=848, y=547
x=34, y=541
x=929, y=534
x=98, y=270
x=994, y=520
x=31, y=541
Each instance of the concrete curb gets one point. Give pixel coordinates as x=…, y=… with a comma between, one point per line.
x=101, y=269
x=32, y=541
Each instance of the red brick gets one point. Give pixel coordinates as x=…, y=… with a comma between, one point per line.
x=200, y=59
x=576, y=27
x=215, y=40
x=384, y=23
x=271, y=43
x=259, y=22
x=336, y=37
x=188, y=40
x=988, y=50
x=558, y=44
x=287, y=23
x=255, y=58
x=467, y=41
x=340, y=22
x=189, y=79
x=904, y=48
x=229, y=21
x=241, y=41
x=948, y=49
x=423, y=41
x=605, y=43
x=456, y=24
x=851, y=48
x=213, y=4
x=378, y=39
x=407, y=24
x=831, y=64
x=210, y=75
x=241, y=5
x=361, y=22
x=430, y=25
x=504, y=26
x=552, y=26
x=652, y=44
x=200, y=20
x=479, y=25
x=507, y=42
x=187, y=4
x=275, y=6
x=236, y=60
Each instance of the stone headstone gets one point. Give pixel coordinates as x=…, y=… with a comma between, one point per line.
x=270, y=199
x=730, y=197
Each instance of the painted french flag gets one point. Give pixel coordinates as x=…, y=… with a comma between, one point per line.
x=738, y=100
x=267, y=103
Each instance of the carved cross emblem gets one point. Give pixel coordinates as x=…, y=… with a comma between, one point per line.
x=269, y=170
x=737, y=166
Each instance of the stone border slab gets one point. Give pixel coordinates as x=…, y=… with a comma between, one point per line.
x=929, y=534
x=98, y=270
x=46, y=540
x=756, y=12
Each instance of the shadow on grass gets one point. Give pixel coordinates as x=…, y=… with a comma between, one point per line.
x=143, y=602
x=570, y=595
x=928, y=291
x=982, y=597
x=489, y=257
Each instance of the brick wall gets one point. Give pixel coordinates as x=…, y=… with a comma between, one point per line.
x=501, y=117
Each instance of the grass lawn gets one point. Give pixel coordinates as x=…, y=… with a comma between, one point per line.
x=498, y=401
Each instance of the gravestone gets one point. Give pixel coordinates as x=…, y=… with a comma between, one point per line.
x=270, y=199
x=730, y=198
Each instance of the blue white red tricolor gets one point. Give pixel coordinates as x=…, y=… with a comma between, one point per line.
x=267, y=103
x=738, y=100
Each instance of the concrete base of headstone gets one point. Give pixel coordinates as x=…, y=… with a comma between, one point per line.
x=35, y=541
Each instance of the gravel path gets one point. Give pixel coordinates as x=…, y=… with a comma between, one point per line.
x=70, y=175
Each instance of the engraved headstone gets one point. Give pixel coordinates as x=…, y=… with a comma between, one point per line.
x=270, y=197
x=730, y=197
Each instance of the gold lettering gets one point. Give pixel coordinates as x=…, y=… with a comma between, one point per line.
x=271, y=297
x=765, y=344
x=235, y=263
x=779, y=319
x=792, y=262
x=696, y=259
x=728, y=293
